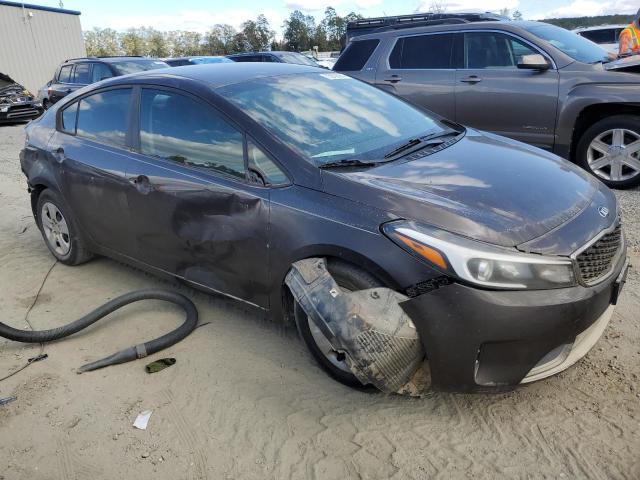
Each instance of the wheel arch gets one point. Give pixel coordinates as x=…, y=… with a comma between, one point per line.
x=591, y=114
x=35, y=189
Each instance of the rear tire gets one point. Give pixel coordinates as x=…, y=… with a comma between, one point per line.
x=59, y=229
x=603, y=150
x=348, y=277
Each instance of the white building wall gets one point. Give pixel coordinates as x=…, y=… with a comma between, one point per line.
x=34, y=42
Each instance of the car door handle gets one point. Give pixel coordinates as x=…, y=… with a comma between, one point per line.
x=58, y=154
x=142, y=184
x=393, y=79
x=68, y=90
x=472, y=79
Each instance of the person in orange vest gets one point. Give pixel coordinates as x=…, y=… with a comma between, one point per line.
x=630, y=38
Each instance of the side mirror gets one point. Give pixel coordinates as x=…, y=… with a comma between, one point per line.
x=533, y=62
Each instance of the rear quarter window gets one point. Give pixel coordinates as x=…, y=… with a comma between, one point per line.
x=357, y=54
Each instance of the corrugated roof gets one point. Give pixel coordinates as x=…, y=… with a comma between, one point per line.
x=39, y=7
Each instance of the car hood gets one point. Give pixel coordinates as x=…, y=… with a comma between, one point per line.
x=12, y=92
x=631, y=63
x=485, y=187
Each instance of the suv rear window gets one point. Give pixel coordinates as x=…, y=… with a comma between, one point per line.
x=423, y=52
x=356, y=55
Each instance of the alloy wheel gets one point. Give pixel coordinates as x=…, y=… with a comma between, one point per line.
x=55, y=229
x=614, y=155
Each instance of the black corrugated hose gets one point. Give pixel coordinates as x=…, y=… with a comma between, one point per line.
x=128, y=354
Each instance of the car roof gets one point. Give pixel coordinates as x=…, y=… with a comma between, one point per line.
x=244, y=54
x=189, y=57
x=219, y=74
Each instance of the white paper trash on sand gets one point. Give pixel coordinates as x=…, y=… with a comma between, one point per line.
x=142, y=420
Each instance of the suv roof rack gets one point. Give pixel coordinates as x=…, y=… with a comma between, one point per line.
x=380, y=24
x=103, y=56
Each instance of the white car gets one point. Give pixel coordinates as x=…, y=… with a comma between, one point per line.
x=606, y=36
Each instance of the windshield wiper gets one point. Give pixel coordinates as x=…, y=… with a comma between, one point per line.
x=420, y=142
x=347, y=162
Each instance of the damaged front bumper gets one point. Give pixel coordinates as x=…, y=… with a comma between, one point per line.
x=491, y=341
x=475, y=340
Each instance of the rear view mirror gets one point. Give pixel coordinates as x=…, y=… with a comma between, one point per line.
x=533, y=62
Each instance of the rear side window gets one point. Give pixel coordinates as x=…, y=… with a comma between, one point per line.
x=178, y=128
x=65, y=74
x=356, y=56
x=423, y=52
x=100, y=72
x=82, y=75
x=103, y=116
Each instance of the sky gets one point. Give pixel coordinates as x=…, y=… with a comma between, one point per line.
x=200, y=15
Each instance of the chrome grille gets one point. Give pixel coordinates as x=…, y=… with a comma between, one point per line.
x=597, y=260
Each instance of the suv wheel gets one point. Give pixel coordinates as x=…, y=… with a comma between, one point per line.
x=59, y=230
x=350, y=278
x=610, y=149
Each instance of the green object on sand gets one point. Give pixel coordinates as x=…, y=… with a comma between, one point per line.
x=161, y=364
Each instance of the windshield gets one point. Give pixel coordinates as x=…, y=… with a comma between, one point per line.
x=134, y=66
x=328, y=117
x=572, y=44
x=202, y=60
x=297, y=58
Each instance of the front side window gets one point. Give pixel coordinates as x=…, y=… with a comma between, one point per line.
x=423, y=52
x=65, y=74
x=103, y=116
x=493, y=50
x=180, y=129
x=83, y=73
x=328, y=117
x=100, y=72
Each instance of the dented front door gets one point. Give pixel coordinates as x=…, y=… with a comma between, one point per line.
x=205, y=228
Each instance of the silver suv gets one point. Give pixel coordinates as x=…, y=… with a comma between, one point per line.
x=531, y=81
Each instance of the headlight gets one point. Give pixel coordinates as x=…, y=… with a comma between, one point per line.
x=481, y=263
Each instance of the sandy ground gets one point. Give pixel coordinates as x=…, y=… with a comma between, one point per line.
x=245, y=400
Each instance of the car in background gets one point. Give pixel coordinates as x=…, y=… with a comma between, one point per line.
x=311, y=195
x=200, y=60
x=16, y=102
x=607, y=36
x=76, y=73
x=530, y=81
x=274, y=57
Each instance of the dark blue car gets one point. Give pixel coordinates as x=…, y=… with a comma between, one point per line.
x=396, y=240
